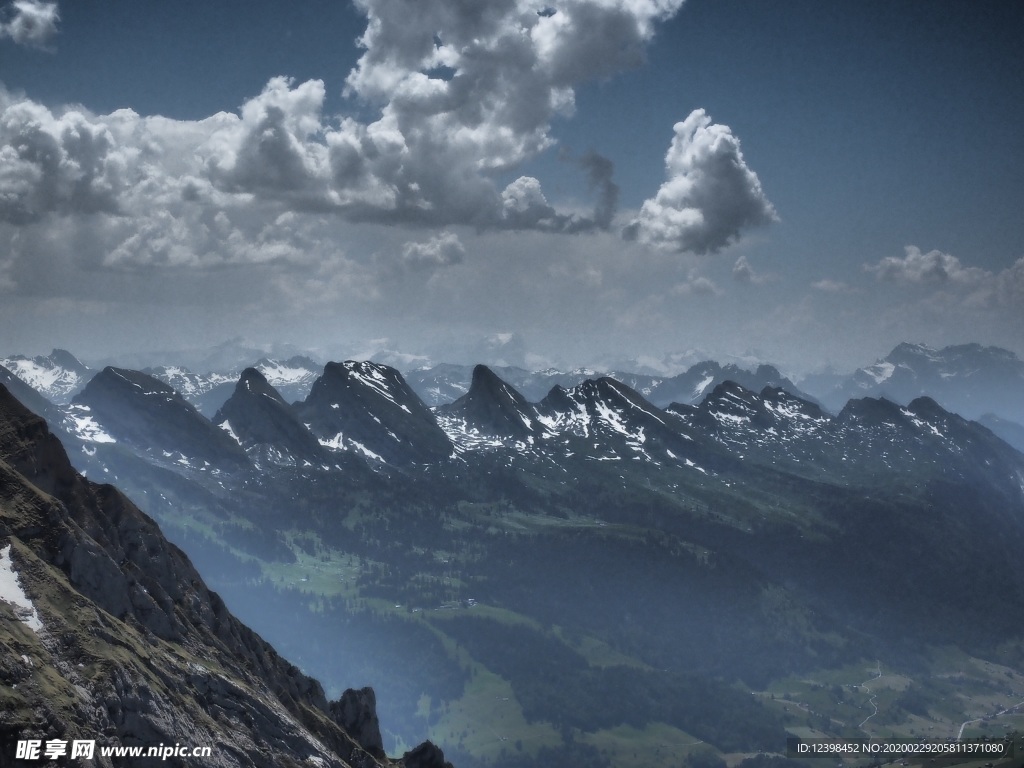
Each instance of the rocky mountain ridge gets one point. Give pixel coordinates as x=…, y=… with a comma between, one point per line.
x=368, y=411
x=127, y=645
x=969, y=379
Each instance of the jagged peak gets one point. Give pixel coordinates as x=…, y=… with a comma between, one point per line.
x=731, y=397
x=370, y=407
x=730, y=388
x=780, y=395
x=252, y=380
x=495, y=407
x=252, y=376
x=928, y=409
x=603, y=387
x=482, y=374
x=118, y=377
x=65, y=359
x=142, y=410
x=377, y=377
x=927, y=404
x=768, y=371
x=598, y=395
x=871, y=409
x=257, y=417
x=348, y=367
x=487, y=383
x=913, y=348
x=557, y=398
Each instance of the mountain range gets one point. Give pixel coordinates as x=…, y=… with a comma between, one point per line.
x=969, y=379
x=584, y=576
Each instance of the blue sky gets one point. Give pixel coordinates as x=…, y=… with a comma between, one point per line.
x=600, y=180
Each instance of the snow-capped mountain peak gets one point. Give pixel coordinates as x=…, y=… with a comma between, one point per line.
x=58, y=376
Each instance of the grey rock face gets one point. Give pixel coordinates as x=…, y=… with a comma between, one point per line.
x=426, y=755
x=356, y=712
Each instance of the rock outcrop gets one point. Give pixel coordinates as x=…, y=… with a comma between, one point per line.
x=356, y=712
x=426, y=755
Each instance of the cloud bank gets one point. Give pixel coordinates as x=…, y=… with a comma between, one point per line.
x=953, y=282
x=934, y=267
x=459, y=95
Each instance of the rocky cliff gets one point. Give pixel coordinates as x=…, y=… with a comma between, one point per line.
x=109, y=634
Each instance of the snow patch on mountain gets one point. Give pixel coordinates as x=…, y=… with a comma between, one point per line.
x=340, y=443
x=80, y=422
x=367, y=452
x=880, y=372
x=612, y=418
x=58, y=377
x=467, y=438
x=226, y=426
x=277, y=373
x=373, y=377
x=34, y=374
x=292, y=378
x=691, y=464
x=187, y=383
x=731, y=418
x=12, y=593
x=698, y=391
x=336, y=443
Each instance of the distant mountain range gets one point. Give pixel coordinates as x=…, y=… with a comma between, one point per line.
x=970, y=379
x=583, y=543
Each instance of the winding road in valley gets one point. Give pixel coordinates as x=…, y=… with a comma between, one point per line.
x=874, y=696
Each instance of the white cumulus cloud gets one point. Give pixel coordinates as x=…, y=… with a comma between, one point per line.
x=710, y=194
x=467, y=89
x=457, y=93
x=29, y=22
x=275, y=149
x=62, y=163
